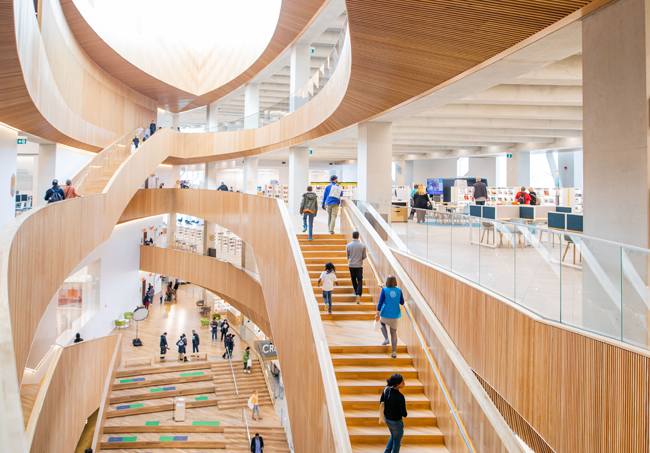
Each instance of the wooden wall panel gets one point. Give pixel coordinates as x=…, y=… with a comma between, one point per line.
x=225, y=279
x=74, y=393
x=482, y=422
x=581, y=393
x=50, y=88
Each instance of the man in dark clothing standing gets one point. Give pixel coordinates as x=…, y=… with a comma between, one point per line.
x=163, y=346
x=356, y=253
x=152, y=127
x=195, y=341
x=136, y=142
x=224, y=329
x=54, y=194
x=223, y=187
x=480, y=192
x=257, y=444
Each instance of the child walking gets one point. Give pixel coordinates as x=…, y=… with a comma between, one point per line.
x=328, y=279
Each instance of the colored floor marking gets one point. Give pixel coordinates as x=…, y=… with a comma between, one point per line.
x=156, y=390
x=205, y=423
x=201, y=398
x=152, y=423
x=130, y=406
x=173, y=438
x=167, y=389
x=126, y=381
x=196, y=373
x=122, y=439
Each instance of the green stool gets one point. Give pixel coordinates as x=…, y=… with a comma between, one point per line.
x=205, y=322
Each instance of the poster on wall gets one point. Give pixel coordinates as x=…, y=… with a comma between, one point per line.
x=434, y=186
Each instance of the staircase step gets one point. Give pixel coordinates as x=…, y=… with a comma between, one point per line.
x=370, y=401
x=344, y=349
x=347, y=316
x=370, y=359
x=374, y=372
x=416, y=417
x=379, y=435
x=348, y=306
x=376, y=386
x=320, y=236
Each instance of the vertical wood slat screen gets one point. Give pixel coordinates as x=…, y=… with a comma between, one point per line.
x=581, y=393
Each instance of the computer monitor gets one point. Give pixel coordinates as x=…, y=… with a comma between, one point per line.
x=434, y=186
x=23, y=197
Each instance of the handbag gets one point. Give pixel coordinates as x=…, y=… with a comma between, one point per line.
x=382, y=417
x=250, y=403
x=249, y=362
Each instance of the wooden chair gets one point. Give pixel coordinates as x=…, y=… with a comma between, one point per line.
x=487, y=227
x=569, y=242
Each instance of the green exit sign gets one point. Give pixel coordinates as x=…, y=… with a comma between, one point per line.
x=311, y=152
x=509, y=156
x=22, y=141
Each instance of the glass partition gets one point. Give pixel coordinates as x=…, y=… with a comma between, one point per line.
x=587, y=283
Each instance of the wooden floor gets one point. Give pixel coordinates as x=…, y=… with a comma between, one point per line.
x=207, y=386
x=28, y=394
x=361, y=364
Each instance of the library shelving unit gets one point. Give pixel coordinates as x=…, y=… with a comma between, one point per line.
x=462, y=195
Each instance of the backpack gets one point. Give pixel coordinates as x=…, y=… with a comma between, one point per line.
x=56, y=195
x=335, y=191
x=533, y=198
x=521, y=200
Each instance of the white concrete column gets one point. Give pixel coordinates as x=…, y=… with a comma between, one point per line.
x=171, y=228
x=250, y=174
x=8, y=164
x=298, y=176
x=46, y=172
x=375, y=155
x=518, y=169
x=616, y=93
x=251, y=106
x=211, y=176
x=212, y=117
x=300, y=73
x=176, y=121
x=408, y=173
x=209, y=229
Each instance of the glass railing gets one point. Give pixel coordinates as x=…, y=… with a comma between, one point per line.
x=587, y=283
x=295, y=100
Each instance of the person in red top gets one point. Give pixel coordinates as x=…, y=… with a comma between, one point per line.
x=522, y=194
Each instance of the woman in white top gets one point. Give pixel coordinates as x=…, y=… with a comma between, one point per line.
x=328, y=279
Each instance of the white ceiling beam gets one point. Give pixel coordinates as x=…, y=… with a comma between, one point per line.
x=436, y=131
x=528, y=95
x=540, y=112
x=419, y=121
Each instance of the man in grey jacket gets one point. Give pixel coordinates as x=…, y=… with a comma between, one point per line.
x=356, y=253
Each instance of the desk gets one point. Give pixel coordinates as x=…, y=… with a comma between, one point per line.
x=399, y=212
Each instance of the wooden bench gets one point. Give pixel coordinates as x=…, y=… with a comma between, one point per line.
x=138, y=361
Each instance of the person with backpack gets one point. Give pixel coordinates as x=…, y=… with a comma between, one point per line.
x=214, y=327
x=522, y=197
x=309, y=209
x=181, y=349
x=394, y=409
x=55, y=193
x=332, y=199
x=534, y=199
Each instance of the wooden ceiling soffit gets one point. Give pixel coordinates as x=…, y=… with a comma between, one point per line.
x=294, y=19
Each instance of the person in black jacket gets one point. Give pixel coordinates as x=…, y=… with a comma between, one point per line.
x=136, y=142
x=394, y=410
x=195, y=341
x=257, y=444
x=420, y=201
x=163, y=345
x=152, y=127
x=224, y=329
x=223, y=187
x=49, y=193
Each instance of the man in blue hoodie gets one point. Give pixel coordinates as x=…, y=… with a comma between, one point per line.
x=332, y=201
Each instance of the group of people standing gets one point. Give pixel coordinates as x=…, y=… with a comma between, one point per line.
x=181, y=344
x=56, y=193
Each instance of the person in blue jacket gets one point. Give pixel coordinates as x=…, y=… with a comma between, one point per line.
x=332, y=201
x=389, y=312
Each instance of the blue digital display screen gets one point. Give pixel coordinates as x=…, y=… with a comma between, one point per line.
x=434, y=186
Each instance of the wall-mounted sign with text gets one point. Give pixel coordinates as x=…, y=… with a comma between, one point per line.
x=22, y=141
x=266, y=349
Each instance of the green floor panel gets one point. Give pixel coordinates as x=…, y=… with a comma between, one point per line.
x=205, y=423
x=152, y=423
x=135, y=406
x=201, y=398
x=129, y=439
x=196, y=373
x=166, y=438
x=156, y=390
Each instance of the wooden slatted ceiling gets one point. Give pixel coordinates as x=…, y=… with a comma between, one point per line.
x=295, y=17
x=580, y=393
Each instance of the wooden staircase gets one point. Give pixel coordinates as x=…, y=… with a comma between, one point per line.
x=98, y=177
x=361, y=364
x=275, y=439
x=246, y=385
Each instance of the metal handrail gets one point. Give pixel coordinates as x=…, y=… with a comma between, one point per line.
x=234, y=379
x=243, y=414
x=450, y=403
